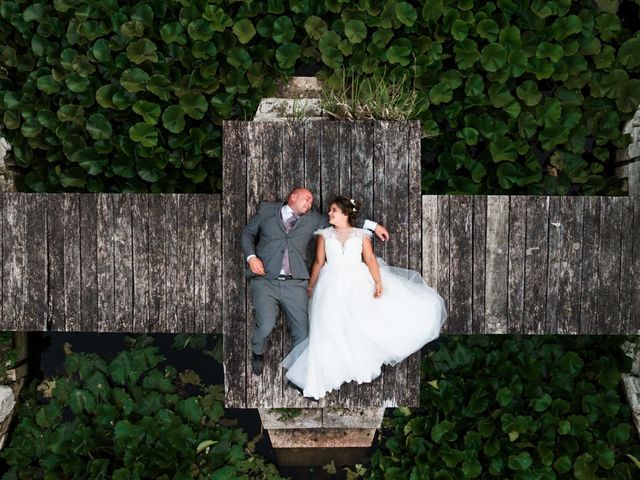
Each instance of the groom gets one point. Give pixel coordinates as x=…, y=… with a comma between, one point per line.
x=275, y=243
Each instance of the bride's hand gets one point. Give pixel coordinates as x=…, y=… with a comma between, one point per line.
x=378, y=290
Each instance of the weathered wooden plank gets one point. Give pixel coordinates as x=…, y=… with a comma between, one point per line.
x=569, y=263
x=140, y=256
x=554, y=246
x=200, y=232
x=185, y=268
x=396, y=384
x=627, y=279
x=71, y=263
x=35, y=266
x=479, y=259
x=430, y=240
x=2, y=216
x=235, y=338
x=55, y=259
x=13, y=260
x=106, y=259
x=609, y=265
x=516, y=254
x=344, y=158
x=312, y=158
x=444, y=244
x=497, y=264
x=123, y=263
x=157, y=263
x=634, y=314
x=172, y=252
x=414, y=183
x=329, y=164
x=535, y=265
x=89, y=262
x=380, y=137
x=460, y=258
x=292, y=157
x=213, y=274
x=589, y=283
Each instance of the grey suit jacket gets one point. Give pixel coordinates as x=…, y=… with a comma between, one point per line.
x=266, y=237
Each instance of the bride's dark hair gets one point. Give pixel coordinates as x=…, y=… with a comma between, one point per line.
x=348, y=206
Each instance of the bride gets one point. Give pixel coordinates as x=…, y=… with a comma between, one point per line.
x=362, y=312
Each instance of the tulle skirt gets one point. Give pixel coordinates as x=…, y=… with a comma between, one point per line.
x=352, y=334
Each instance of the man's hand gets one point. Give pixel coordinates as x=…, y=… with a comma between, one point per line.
x=381, y=233
x=256, y=266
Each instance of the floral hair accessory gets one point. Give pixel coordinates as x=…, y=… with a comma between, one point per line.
x=353, y=202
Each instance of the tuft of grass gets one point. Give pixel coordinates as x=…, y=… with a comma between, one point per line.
x=373, y=97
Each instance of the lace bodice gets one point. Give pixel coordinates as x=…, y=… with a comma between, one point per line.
x=343, y=251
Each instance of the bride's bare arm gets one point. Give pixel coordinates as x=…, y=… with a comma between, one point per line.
x=317, y=264
x=370, y=259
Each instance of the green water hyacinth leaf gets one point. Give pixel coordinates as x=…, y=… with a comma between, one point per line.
x=399, y=52
x=283, y=29
x=194, y=104
x=218, y=18
x=440, y=93
x=511, y=37
x=287, y=55
x=330, y=54
x=244, y=30
x=89, y=160
x=145, y=134
x=30, y=128
x=74, y=178
x=459, y=30
x=173, y=119
x=520, y=462
x=443, y=432
x=200, y=29
x=629, y=53
x=471, y=468
x=470, y=135
x=355, y=31
x=104, y=96
x=101, y=50
x=562, y=464
x=173, y=33
x=405, y=13
x=503, y=150
x=315, y=27
x=239, y=57
x=48, y=85
x=141, y=51
x=34, y=13
x=99, y=127
x=493, y=57
x=48, y=119
x=500, y=95
x=528, y=92
x=467, y=54
x=474, y=86
x=149, y=111
x=608, y=25
x=549, y=50
x=71, y=113
x=134, y=79
x=628, y=97
x=132, y=29
x=488, y=29
x=77, y=83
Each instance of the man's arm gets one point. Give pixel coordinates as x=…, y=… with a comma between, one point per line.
x=248, y=241
x=378, y=229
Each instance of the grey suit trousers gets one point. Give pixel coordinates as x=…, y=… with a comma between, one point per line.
x=270, y=295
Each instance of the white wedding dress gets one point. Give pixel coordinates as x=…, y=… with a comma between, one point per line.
x=351, y=333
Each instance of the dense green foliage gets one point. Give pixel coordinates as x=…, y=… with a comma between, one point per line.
x=523, y=408
x=525, y=96
x=8, y=355
x=128, y=419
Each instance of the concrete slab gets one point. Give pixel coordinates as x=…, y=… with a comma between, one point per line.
x=322, y=438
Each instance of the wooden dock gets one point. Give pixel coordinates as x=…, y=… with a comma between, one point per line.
x=173, y=263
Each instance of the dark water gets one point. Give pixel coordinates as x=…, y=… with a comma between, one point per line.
x=46, y=359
